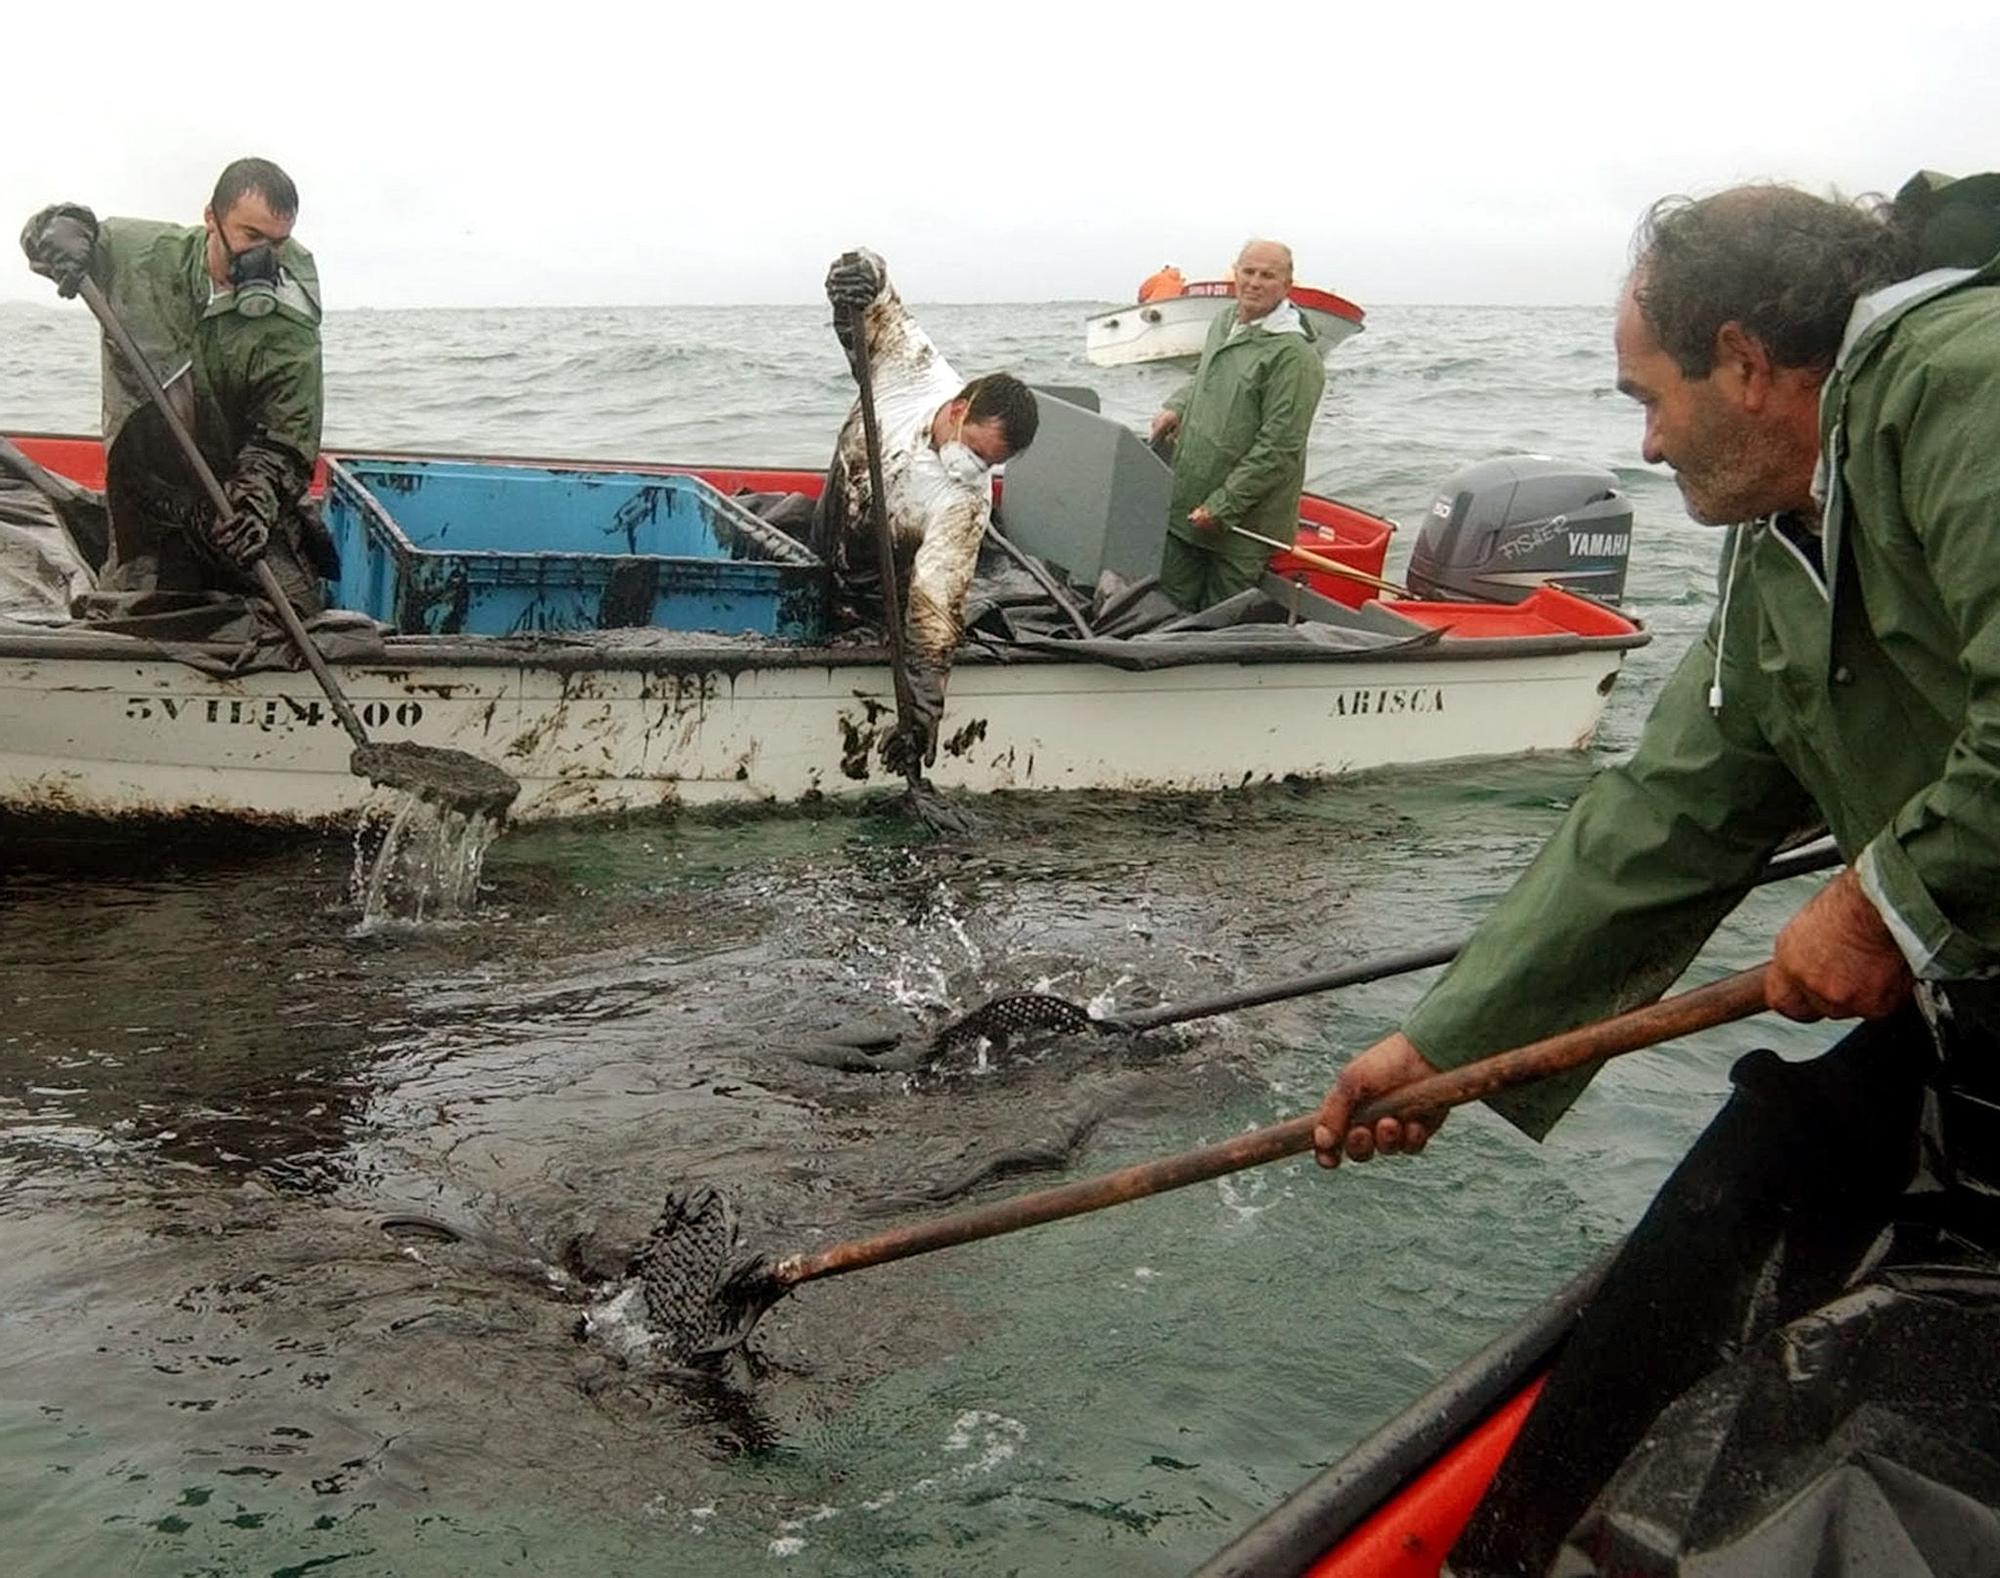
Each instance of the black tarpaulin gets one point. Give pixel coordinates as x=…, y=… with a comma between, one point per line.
x=1860, y=1441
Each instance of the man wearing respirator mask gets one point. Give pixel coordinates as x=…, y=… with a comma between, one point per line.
x=941, y=437
x=228, y=315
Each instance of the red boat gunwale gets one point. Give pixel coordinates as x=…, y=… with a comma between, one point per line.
x=1393, y=1506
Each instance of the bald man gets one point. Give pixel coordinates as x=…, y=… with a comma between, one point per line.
x=1239, y=430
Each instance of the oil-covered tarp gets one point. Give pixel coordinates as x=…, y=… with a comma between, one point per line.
x=1793, y=1365
x=1861, y=1441
x=54, y=535
x=48, y=526
x=1015, y=613
x=1011, y=614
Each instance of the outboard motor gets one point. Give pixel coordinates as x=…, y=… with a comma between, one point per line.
x=1500, y=528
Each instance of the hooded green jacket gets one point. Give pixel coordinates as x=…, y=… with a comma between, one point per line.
x=1241, y=448
x=1866, y=698
x=258, y=396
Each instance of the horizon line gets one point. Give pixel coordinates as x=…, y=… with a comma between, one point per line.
x=653, y=306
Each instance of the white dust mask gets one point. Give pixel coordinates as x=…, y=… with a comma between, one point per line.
x=962, y=464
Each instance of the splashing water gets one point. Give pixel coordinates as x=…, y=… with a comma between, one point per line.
x=427, y=868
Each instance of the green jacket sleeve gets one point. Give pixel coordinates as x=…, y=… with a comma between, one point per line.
x=1930, y=871
x=280, y=421
x=1177, y=402
x=287, y=385
x=1291, y=396
x=1655, y=852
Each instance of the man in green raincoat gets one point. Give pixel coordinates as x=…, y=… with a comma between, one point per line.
x=1824, y=379
x=228, y=313
x=1239, y=431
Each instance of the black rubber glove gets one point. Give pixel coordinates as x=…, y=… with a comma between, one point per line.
x=240, y=538
x=917, y=744
x=852, y=283
x=269, y=476
x=59, y=243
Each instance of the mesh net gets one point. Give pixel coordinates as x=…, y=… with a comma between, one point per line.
x=683, y=1269
x=1009, y=1018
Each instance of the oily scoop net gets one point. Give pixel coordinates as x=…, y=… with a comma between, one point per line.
x=1020, y=1013
x=703, y=1294
x=452, y=778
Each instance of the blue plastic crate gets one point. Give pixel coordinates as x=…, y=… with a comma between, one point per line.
x=465, y=547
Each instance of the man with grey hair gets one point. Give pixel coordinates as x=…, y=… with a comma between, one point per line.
x=1239, y=432
x=1757, y=1372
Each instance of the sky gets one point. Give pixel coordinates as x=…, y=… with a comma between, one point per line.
x=608, y=154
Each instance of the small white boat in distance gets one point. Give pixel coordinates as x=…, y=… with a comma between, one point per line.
x=1172, y=328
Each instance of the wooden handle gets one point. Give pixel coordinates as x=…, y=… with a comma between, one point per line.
x=1321, y=562
x=1732, y=998
x=1721, y=1002
x=267, y=580
x=885, y=538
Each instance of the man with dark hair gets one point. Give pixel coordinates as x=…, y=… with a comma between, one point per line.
x=1836, y=411
x=228, y=314
x=260, y=178
x=941, y=437
x=1239, y=430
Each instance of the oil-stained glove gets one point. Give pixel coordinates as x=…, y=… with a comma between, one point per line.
x=912, y=747
x=915, y=746
x=852, y=283
x=241, y=538
x=59, y=243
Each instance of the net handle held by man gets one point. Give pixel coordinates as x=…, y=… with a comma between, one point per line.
x=697, y=1250
x=454, y=778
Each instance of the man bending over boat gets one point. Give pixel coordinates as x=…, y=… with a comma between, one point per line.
x=941, y=437
x=228, y=313
x=1239, y=430
x=1823, y=379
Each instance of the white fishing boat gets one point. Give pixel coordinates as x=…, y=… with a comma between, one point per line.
x=602, y=720
x=1174, y=328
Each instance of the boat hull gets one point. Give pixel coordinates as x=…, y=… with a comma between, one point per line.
x=97, y=726
x=1175, y=329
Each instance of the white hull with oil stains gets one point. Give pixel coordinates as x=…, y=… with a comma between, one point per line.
x=95, y=726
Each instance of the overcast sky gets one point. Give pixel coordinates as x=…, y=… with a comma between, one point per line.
x=604, y=154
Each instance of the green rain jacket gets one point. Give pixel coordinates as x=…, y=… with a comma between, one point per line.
x=1867, y=698
x=258, y=398
x=1241, y=449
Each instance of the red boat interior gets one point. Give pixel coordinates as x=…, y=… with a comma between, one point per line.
x=1410, y=1535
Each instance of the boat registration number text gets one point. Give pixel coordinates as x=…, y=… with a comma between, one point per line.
x=266, y=712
